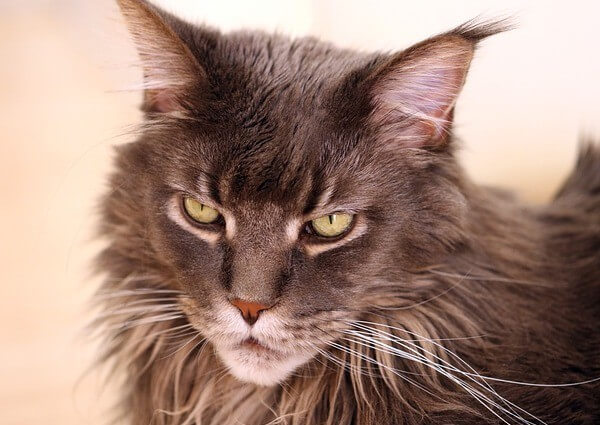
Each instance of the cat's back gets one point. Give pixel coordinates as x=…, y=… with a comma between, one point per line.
x=572, y=226
x=561, y=331
x=572, y=221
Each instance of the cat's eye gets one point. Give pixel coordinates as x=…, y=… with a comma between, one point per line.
x=199, y=212
x=332, y=225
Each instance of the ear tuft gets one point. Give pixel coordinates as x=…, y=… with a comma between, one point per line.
x=414, y=92
x=169, y=66
x=477, y=30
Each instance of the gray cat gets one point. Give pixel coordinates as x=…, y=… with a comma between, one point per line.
x=292, y=241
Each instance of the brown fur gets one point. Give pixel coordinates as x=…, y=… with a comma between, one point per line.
x=458, y=274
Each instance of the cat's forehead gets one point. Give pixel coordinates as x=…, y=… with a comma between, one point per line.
x=272, y=136
x=290, y=170
x=254, y=73
x=269, y=60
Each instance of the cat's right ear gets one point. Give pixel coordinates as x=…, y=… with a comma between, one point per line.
x=170, y=68
x=412, y=94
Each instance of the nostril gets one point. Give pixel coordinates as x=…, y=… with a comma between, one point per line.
x=250, y=310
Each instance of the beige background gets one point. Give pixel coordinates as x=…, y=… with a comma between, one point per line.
x=63, y=63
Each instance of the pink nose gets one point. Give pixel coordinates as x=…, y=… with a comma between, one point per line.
x=249, y=310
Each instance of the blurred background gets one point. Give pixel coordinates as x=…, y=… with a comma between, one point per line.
x=65, y=66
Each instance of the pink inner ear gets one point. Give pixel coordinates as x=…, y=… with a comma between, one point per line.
x=440, y=90
x=421, y=91
x=161, y=101
x=425, y=95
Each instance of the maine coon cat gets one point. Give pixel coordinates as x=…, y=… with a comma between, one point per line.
x=292, y=241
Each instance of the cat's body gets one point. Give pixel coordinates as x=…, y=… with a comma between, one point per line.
x=444, y=302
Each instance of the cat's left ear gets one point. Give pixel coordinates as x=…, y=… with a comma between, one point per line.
x=170, y=68
x=412, y=94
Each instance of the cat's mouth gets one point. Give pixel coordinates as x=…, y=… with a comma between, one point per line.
x=265, y=354
x=259, y=350
x=255, y=345
x=252, y=360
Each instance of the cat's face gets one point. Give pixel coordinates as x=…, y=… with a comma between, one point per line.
x=282, y=191
x=262, y=247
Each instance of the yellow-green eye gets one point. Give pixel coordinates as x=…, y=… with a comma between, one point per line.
x=199, y=212
x=332, y=225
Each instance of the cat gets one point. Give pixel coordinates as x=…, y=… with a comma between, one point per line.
x=291, y=240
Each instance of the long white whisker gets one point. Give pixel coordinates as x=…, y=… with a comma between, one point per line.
x=175, y=332
x=363, y=325
x=146, y=300
x=507, y=381
x=379, y=364
x=145, y=321
x=341, y=363
x=185, y=345
x=488, y=278
x=445, y=364
x=133, y=292
x=532, y=384
x=137, y=310
x=133, y=278
x=444, y=292
x=482, y=399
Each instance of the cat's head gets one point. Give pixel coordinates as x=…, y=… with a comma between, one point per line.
x=287, y=186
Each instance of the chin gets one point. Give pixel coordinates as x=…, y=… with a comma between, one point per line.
x=257, y=364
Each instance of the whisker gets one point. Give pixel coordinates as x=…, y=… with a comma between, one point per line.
x=447, y=366
x=175, y=332
x=445, y=363
x=444, y=292
x=185, y=345
x=488, y=278
x=380, y=365
x=137, y=310
x=133, y=292
x=482, y=399
x=507, y=381
x=133, y=278
x=341, y=363
x=145, y=321
x=145, y=300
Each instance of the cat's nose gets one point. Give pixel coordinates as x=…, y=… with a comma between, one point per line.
x=250, y=310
